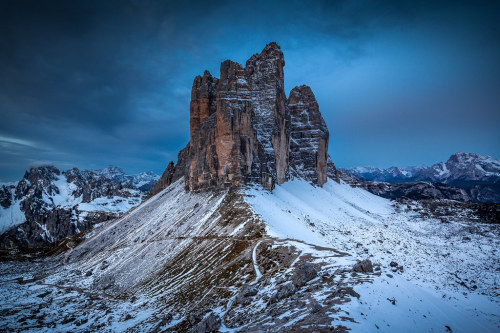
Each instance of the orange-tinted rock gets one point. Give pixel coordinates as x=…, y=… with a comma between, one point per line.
x=247, y=139
x=244, y=130
x=203, y=101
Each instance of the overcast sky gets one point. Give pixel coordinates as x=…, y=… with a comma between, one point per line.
x=97, y=83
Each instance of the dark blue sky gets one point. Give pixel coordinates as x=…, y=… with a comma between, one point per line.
x=94, y=83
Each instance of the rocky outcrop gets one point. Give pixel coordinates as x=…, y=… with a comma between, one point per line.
x=364, y=266
x=47, y=205
x=309, y=136
x=51, y=226
x=304, y=272
x=165, y=180
x=243, y=129
x=209, y=324
x=6, y=196
x=239, y=124
x=417, y=191
x=284, y=290
x=172, y=173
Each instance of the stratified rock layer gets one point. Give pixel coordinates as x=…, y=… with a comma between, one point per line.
x=309, y=136
x=239, y=124
x=244, y=129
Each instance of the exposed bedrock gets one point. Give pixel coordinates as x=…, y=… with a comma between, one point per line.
x=244, y=129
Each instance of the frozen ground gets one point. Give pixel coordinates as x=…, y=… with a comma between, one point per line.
x=181, y=257
x=450, y=271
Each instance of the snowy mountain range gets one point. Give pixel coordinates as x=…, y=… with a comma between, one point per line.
x=252, y=230
x=460, y=167
x=47, y=204
x=470, y=177
x=143, y=181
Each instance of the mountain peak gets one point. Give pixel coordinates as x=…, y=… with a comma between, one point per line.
x=470, y=171
x=243, y=129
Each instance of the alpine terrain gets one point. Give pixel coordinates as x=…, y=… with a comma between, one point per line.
x=464, y=177
x=252, y=230
x=47, y=205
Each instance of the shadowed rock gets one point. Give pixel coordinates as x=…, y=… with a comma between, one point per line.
x=210, y=323
x=308, y=136
x=364, y=266
x=303, y=273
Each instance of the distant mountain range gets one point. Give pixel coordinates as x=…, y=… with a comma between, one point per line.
x=48, y=204
x=478, y=176
x=143, y=181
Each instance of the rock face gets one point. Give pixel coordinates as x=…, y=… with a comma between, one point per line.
x=239, y=124
x=244, y=129
x=47, y=205
x=309, y=136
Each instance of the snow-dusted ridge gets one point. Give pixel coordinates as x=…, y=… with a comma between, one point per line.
x=450, y=275
x=184, y=259
x=87, y=195
x=460, y=166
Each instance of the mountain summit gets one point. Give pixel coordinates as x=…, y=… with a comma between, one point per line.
x=244, y=129
x=476, y=176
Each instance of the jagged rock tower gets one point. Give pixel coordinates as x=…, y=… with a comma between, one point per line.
x=244, y=129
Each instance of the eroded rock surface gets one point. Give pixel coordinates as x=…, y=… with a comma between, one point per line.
x=309, y=136
x=244, y=129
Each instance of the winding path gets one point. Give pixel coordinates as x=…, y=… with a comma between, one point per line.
x=255, y=264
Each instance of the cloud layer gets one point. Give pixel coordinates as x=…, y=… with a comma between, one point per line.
x=92, y=83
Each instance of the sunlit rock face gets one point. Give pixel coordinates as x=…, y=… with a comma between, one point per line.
x=242, y=125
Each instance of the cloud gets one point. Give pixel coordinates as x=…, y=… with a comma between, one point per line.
x=15, y=141
x=92, y=83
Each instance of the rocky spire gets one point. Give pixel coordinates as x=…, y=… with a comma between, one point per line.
x=309, y=136
x=246, y=138
x=203, y=102
x=244, y=130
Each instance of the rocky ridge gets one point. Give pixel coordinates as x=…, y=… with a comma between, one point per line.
x=244, y=129
x=47, y=205
x=466, y=176
x=458, y=167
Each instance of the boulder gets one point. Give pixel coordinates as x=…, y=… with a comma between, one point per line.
x=285, y=290
x=364, y=266
x=303, y=273
x=244, y=295
x=210, y=323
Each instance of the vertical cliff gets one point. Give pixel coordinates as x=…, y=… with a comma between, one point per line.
x=243, y=129
x=309, y=136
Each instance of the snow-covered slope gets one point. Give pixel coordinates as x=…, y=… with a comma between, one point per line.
x=246, y=259
x=450, y=270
